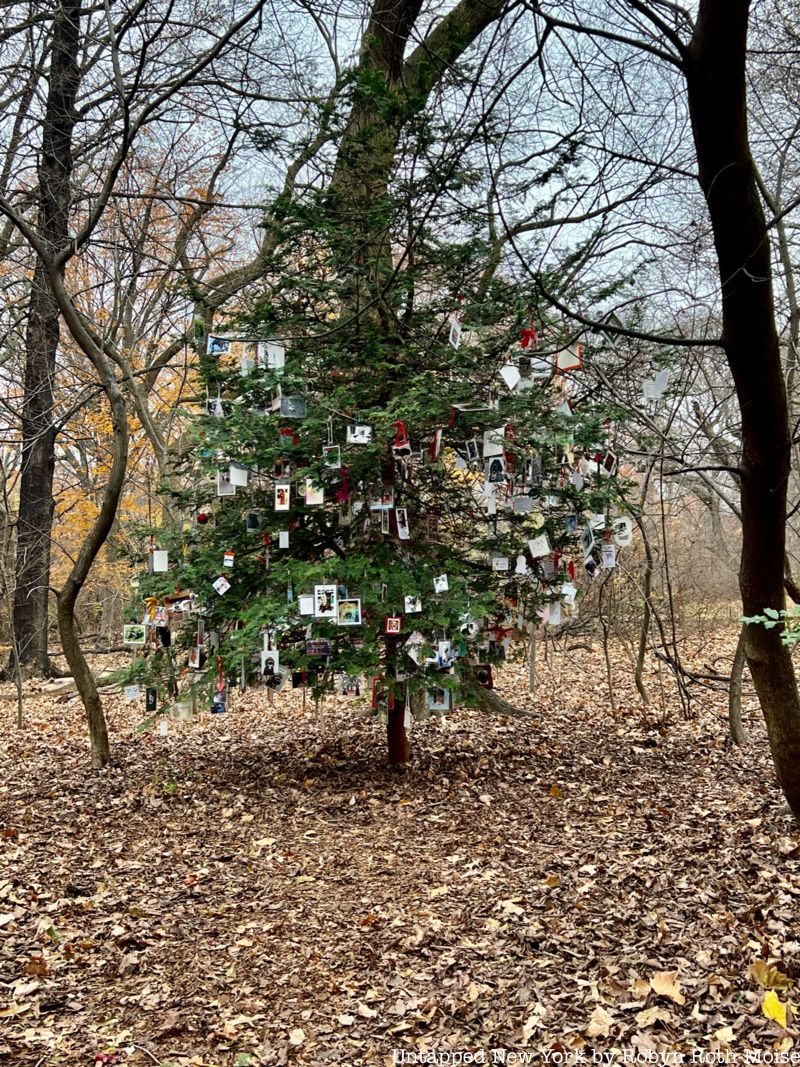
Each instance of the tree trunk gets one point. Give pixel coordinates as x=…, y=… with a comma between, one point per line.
x=32, y=578
x=738, y=732
x=398, y=749
x=715, y=76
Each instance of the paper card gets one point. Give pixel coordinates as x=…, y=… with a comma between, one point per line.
x=568, y=593
x=570, y=359
x=160, y=561
x=283, y=539
x=510, y=375
x=493, y=441
x=222, y=585
x=587, y=540
x=282, y=497
x=227, y=559
x=305, y=603
x=413, y=605
x=403, y=529
x=413, y=646
x=623, y=531
x=654, y=388
x=359, y=434
x=131, y=693
x=554, y=614
x=441, y=584
x=315, y=494
x=270, y=665
x=541, y=367
x=609, y=557
x=247, y=364
x=577, y=479
x=539, y=546
x=237, y=474
x=271, y=355
x=349, y=611
x=215, y=407
x=454, y=336
x=471, y=450
x=325, y=602
x=217, y=346
x=224, y=485
x=522, y=505
x=522, y=565
x=499, y=563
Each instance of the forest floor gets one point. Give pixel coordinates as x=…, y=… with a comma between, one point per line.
x=257, y=888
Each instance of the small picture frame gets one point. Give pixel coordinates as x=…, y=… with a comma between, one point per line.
x=225, y=486
x=349, y=611
x=270, y=667
x=454, y=336
x=437, y=699
x=315, y=494
x=403, y=529
x=495, y=470
x=217, y=346
x=271, y=355
x=413, y=605
x=472, y=451
x=160, y=560
x=293, y=407
x=359, y=434
x=215, y=407
x=483, y=675
x=332, y=456
x=283, y=497
x=325, y=602
x=500, y=563
x=222, y=585
x=441, y=584
x=393, y=624
x=133, y=634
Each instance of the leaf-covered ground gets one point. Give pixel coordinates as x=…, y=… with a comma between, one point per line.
x=257, y=887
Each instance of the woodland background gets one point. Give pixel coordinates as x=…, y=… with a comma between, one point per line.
x=631, y=170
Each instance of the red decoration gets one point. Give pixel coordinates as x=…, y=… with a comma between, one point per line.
x=528, y=338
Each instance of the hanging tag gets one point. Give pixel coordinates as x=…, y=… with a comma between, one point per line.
x=407, y=712
x=222, y=585
x=441, y=584
x=151, y=698
x=237, y=474
x=131, y=693
x=283, y=539
x=227, y=558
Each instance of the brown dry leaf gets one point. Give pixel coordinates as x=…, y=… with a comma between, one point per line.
x=665, y=984
x=297, y=1037
x=649, y=1016
x=768, y=976
x=600, y=1023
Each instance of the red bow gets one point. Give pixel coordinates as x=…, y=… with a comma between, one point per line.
x=528, y=337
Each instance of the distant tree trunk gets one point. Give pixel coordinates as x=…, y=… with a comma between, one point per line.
x=715, y=75
x=36, y=505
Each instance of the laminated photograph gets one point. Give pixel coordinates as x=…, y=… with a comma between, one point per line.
x=510, y=375
x=305, y=604
x=271, y=355
x=569, y=359
x=441, y=584
x=283, y=539
x=437, y=699
x=293, y=407
x=403, y=529
x=539, y=546
x=500, y=563
x=493, y=442
x=160, y=559
x=222, y=585
x=325, y=602
x=393, y=624
x=349, y=612
x=282, y=497
x=454, y=337
x=237, y=474
x=217, y=346
x=315, y=494
x=332, y=456
x=495, y=469
x=413, y=605
x=225, y=486
x=133, y=634
x=359, y=435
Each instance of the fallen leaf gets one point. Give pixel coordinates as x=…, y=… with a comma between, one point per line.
x=665, y=984
x=768, y=976
x=774, y=1008
x=297, y=1037
x=600, y=1023
x=652, y=1015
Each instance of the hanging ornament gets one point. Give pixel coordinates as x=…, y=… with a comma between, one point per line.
x=527, y=337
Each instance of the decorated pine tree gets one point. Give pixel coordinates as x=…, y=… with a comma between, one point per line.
x=396, y=472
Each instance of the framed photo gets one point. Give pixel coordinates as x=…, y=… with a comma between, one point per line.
x=437, y=699
x=293, y=407
x=587, y=540
x=349, y=612
x=359, y=435
x=493, y=442
x=539, y=546
x=133, y=634
x=225, y=486
x=238, y=474
x=483, y=675
x=315, y=494
x=385, y=529
x=217, y=346
x=222, y=585
x=403, y=529
x=472, y=451
x=282, y=497
x=413, y=605
x=332, y=456
x=325, y=602
x=441, y=584
x=454, y=336
x=270, y=665
x=495, y=470
x=283, y=469
x=393, y=624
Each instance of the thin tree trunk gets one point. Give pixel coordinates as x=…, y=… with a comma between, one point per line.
x=715, y=75
x=738, y=732
x=399, y=750
x=36, y=505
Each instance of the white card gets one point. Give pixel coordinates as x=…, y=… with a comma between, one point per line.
x=522, y=565
x=499, y=563
x=283, y=539
x=569, y=592
x=441, y=584
x=131, y=692
x=493, y=442
x=305, y=604
x=237, y=474
x=455, y=332
x=609, y=557
x=222, y=585
x=554, y=614
x=224, y=485
x=160, y=561
x=510, y=375
x=359, y=435
x=623, y=531
x=539, y=546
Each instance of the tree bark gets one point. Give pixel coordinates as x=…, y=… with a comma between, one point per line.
x=36, y=505
x=715, y=75
x=735, y=724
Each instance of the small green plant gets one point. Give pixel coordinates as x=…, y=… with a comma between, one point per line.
x=790, y=620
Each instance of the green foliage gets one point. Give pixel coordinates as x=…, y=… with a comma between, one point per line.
x=788, y=620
